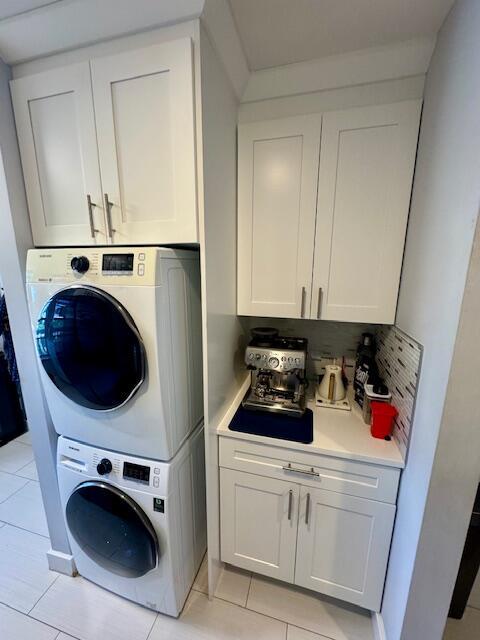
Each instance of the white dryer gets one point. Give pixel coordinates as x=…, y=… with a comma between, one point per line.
x=118, y=336
x=136, y=527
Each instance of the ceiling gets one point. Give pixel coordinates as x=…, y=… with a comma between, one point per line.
x=279, y=32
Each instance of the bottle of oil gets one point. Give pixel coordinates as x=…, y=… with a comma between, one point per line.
x=365, y=366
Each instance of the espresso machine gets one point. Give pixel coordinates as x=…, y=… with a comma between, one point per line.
x=278, y=366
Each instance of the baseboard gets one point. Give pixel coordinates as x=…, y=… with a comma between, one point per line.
x=61, y=562
x=378, y=626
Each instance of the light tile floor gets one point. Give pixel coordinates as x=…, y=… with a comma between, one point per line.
x=41, y=604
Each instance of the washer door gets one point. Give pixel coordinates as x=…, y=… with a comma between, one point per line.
x=90, y=348
x=112, y=529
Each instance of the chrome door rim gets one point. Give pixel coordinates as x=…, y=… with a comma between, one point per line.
x=129, y=321
x=130, y=502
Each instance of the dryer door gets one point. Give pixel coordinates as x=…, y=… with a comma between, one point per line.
x=111, y=528
x=90, y=348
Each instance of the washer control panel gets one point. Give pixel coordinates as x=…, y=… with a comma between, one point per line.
x=138, y=472
x=116, y=468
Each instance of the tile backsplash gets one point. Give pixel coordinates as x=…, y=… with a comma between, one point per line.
x=399, y=359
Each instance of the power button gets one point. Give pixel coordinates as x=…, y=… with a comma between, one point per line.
x=141, y=269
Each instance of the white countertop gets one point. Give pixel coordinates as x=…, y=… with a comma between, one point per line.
x=342, y=434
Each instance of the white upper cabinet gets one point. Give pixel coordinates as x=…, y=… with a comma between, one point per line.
x=146, y=143
x=277, y=190
x=324, y=240
x=56, y=134
x=367, y=160
x=108, y=149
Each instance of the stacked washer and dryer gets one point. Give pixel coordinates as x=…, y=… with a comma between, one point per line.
x=118, y=336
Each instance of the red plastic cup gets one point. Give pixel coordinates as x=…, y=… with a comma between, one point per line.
x=383, y=415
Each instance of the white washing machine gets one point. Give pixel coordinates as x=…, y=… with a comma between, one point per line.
x=136, y=527
x=118, y=336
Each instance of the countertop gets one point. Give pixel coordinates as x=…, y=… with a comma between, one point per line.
x=341, y=434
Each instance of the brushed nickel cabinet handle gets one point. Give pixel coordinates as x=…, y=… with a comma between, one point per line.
x=319, y=308
x=290, y=500
x=108, y=216
x=90, y=206
x=302, y=303
x=307, y=472
x=307, y=509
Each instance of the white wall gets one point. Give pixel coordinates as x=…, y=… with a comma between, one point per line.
x=223, y=348
x=445, y=203
x=15, y=240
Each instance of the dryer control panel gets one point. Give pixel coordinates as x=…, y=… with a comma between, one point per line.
x=97, y=266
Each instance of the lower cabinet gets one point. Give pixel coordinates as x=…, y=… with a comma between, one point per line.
x=326, y=541
x=342, y=546
x=259, y=518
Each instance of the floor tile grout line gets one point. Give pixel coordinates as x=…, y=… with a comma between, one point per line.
x=285, y=622
x=27, y=615
x=17, y=473
x=67, y=634
x=322, y=636
x=153, y=624
x=248, y=592
x=27, y=530
x=291, y=624
x=264, y=615
x=258, y=613
x=17, y=490
x=26, y=465
x=45, y=592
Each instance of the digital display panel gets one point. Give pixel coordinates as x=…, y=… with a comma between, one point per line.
x=117, y=262
x=136, y=472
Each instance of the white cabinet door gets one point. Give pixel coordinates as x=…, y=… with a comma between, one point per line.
x=145, y=126
x=366, y=169
x=343, y=545
x=56, y=134
x=259, y=523
x=277, y=188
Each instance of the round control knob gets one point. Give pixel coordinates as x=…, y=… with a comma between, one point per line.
x=251, y=356
x=80, y=264
x=104, y=466
x=274, y=362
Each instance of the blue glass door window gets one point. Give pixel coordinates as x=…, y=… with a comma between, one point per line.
x=112, y=529
x=90, y=348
